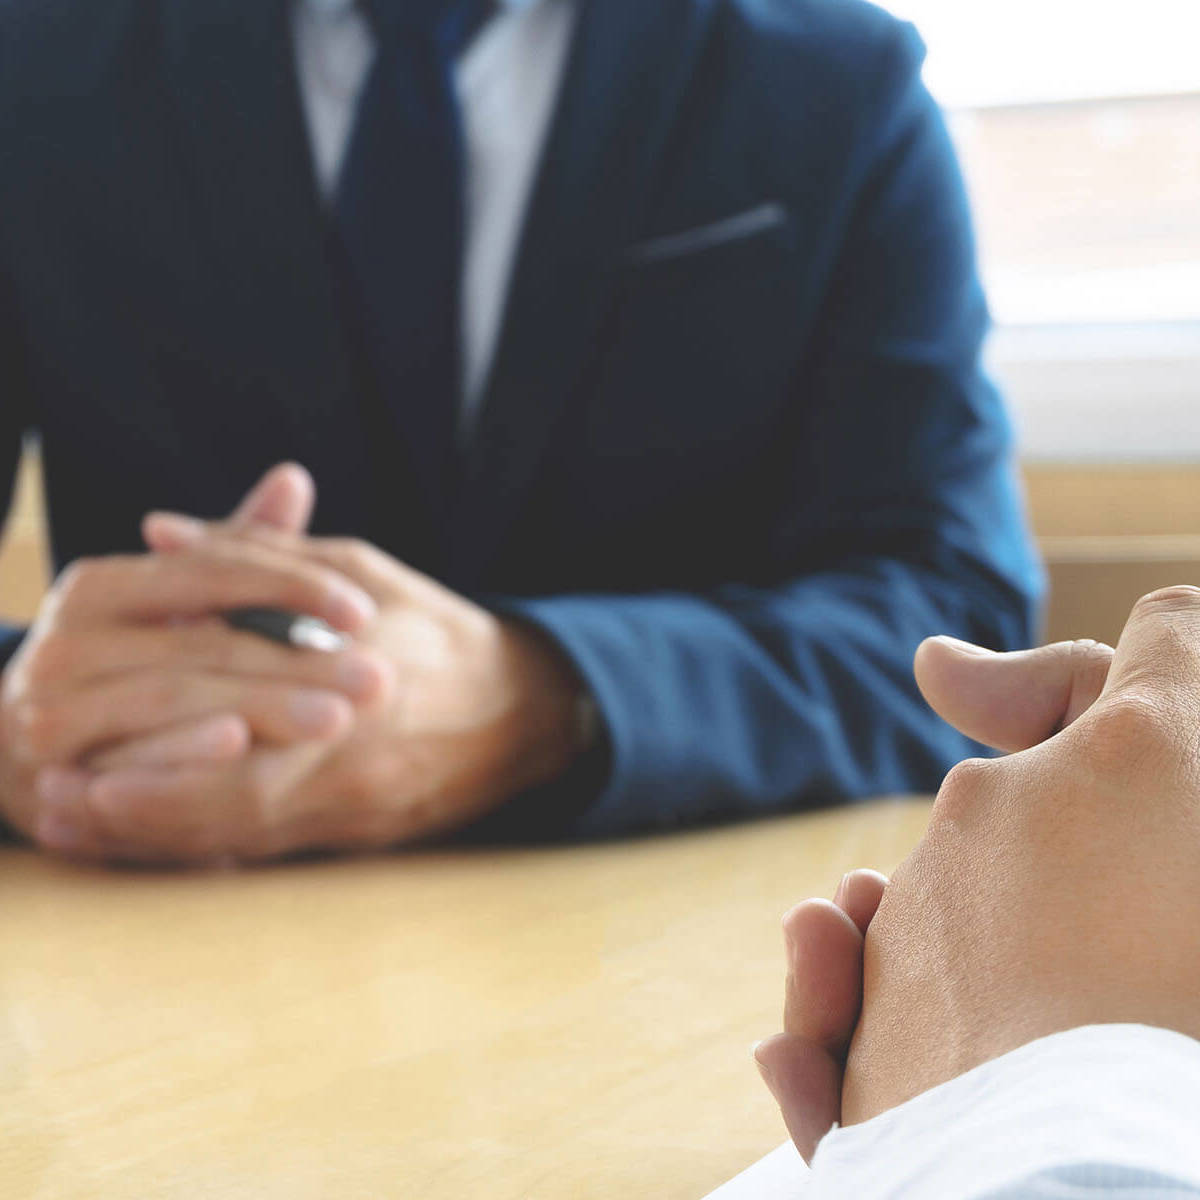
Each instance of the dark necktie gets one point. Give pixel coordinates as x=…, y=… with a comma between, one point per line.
x=399, y=222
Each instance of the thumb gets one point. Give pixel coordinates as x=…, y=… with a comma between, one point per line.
x=1011, y=701
x=283, y=498
x=1159, y=649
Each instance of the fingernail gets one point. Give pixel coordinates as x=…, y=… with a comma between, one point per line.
x=963, y=647
x=358, y=675
x=763, y=1069
x=840, y=895
x=177, y=527
x=315, y=713
x=786, y=923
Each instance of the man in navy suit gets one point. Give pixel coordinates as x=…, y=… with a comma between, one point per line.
x=635, y=345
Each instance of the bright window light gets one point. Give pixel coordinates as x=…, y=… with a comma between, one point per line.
x=987, y=52
x=1078, y=124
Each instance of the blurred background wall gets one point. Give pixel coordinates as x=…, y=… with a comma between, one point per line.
x=23, y=558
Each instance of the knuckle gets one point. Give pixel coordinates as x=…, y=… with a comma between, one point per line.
x=49, y=660
x=966, y=785
x=359, y=551
x=366, y=562
x=80, y=580
x=55, y=658
x=355, y=556
x=1131, y=737
x=483, y=628
x=1129, y=719
x=1176, y=598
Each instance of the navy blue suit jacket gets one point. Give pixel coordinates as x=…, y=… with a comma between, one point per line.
x=737, y=475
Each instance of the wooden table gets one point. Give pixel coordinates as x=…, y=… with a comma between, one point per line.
x=500, y=1024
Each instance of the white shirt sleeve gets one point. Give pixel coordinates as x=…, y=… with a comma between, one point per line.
x=1096, y=1111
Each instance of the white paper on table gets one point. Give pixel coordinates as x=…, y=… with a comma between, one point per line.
x=781, y=1175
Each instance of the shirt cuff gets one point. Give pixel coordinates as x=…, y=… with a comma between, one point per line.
x=1101, y=1107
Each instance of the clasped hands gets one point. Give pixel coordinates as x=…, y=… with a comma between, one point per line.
x=136, y=726
x=1053, y=888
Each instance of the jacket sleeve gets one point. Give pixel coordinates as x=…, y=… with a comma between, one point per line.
x=904, y=520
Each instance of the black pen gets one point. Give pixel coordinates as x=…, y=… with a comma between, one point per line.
x=287, y=628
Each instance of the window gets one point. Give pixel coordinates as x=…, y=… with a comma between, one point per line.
x=1078, y=123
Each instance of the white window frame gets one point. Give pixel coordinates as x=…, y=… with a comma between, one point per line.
x=1102, y=393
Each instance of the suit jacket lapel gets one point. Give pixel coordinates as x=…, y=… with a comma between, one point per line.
x=625, y=77
x=232, y=69
x=231, y=66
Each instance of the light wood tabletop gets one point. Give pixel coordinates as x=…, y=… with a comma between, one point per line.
x=502, y=1024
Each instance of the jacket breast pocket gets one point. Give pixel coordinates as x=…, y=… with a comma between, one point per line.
x=695, y=362
x=767, y=220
